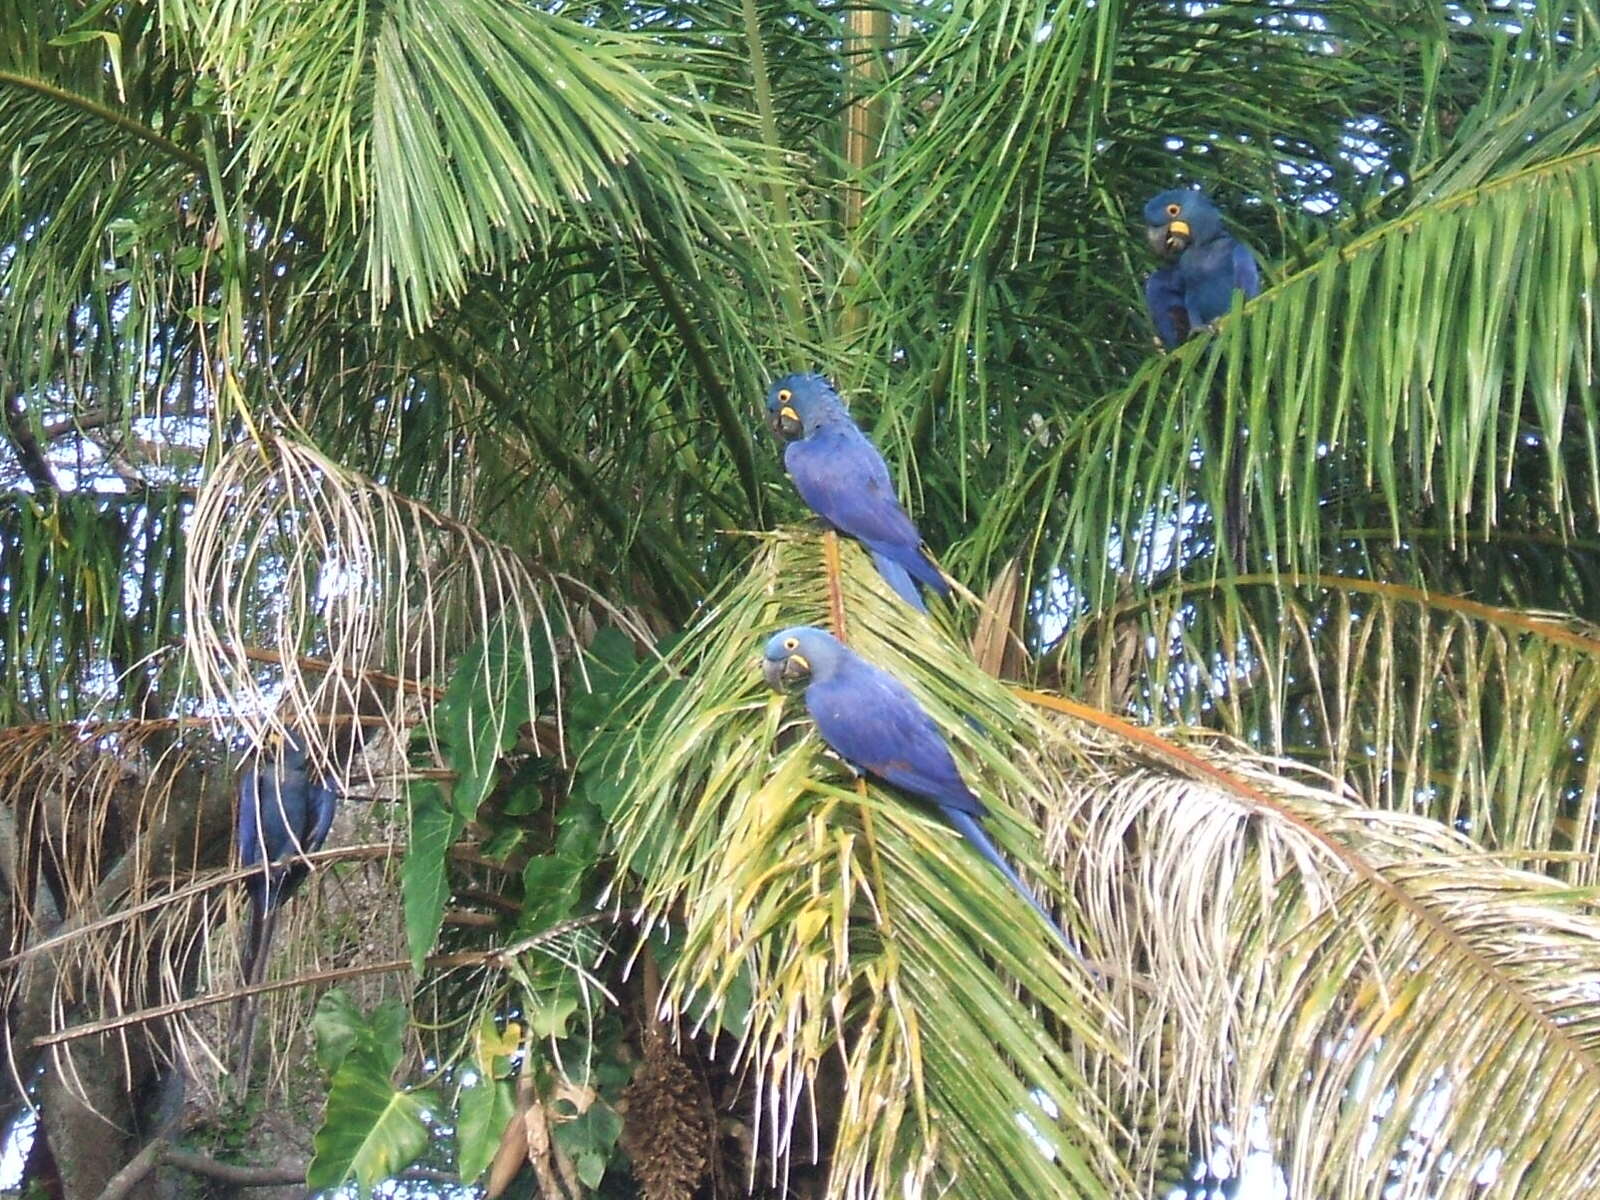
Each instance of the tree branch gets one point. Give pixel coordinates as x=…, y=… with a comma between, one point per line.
x=26, y=446
x=163, y=1154
x=733, y=430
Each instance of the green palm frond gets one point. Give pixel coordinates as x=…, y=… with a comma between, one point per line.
x=864, y=929
x=463, y=131
x=1452, y=333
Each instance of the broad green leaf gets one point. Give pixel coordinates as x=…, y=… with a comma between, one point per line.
x=484, y=1108
x=549, y=1012
x=550, y=885
x=590, y=1137
x=424, y=886
x=485, y=703
x=338, y=1026
x=370, y=1129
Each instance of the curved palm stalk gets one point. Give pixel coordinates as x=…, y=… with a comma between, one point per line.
x=867, y=930
x=291, y=553
x=1419, y=702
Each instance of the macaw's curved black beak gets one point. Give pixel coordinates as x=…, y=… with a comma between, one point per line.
x=782, y=674
x=785, y=423
x=1170, y=239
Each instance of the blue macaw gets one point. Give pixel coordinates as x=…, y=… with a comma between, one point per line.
x=872, y=721
x=843, y=478
x=1208, y=264
x=285, y=810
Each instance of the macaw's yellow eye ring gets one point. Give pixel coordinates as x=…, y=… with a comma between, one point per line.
x=791, y=643
x=785, y=395
x=1174, y=209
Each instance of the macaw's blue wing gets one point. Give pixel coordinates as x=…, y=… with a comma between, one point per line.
x=284, y=811
x=876, y=725
x=323, y=805
x=874, y=722
x=844, y=480
x=1212, y=273
x=1163, y=297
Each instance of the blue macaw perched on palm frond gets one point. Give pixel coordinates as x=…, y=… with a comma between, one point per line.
x=872, y=721
x=285, y=811
x=1207, y=265
x=844, y=480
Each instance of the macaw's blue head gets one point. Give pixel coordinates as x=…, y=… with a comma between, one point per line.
x=1176, y=220
x=798, y=404
x=284, y=751
x=795, y=657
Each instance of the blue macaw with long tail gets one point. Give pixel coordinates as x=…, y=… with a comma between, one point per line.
x=872, y=721
x=1205, y=265
x=842, y=477
x=285, y=811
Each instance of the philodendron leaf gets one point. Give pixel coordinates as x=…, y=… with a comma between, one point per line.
x=338, y=1025
x=423, y=886
x=485, y=1106
x=489, y=697
x=370, y=1128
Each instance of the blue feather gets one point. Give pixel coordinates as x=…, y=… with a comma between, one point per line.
x=899, y=579
x=967, y=825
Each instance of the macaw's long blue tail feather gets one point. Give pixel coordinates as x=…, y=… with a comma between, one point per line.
x=899, y=579
x=914, y=561
x=258, y=943
x=967, y=825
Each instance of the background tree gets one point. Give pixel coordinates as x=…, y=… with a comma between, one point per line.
x=391, y=373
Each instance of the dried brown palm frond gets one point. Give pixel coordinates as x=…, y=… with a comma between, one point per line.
x=294, y=554
x=115, y=845
x=1405, y=1014
x=102, y=819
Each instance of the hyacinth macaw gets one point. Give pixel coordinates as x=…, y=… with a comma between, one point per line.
x=844, y=480
x=285, y=810
x=1206, y=265
x=872, y=721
